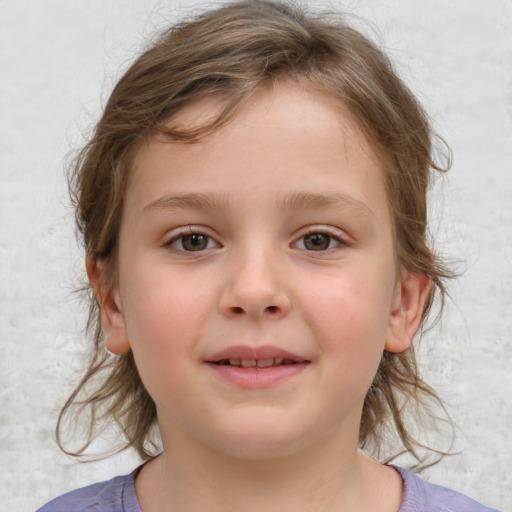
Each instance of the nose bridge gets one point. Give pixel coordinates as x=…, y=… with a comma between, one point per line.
x=256, y=284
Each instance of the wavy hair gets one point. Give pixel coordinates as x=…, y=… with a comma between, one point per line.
x=235, y=51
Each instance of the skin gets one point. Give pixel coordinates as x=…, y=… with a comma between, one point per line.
x=292, y=163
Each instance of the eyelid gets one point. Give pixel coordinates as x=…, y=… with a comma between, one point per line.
x=175, y=234
x=338, y=234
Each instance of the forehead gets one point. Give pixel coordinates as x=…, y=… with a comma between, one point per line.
x=276, y=103
x=286, y=133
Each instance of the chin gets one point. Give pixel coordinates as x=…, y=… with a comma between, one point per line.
x=260, y=450
x=259, y=440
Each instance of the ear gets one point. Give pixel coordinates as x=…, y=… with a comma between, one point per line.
x=112, y=317
x=407, y=309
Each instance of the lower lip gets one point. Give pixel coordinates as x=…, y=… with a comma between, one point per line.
x=258, y=377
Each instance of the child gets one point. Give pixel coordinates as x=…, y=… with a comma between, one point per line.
x=253, y=208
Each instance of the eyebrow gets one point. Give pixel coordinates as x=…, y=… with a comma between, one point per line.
x=291, y=201
x=311, y=201
x=193, y=201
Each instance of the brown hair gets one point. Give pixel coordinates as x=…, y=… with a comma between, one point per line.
x=234, y=51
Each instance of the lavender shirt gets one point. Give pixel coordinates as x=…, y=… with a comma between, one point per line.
x=118, y=495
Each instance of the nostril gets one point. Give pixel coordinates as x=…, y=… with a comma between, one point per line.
x=238, y=310
x=271, y=309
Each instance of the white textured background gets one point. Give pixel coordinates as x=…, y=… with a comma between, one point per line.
x=58, y=60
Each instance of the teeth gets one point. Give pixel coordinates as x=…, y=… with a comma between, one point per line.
x=264, y=363
x=257, y=363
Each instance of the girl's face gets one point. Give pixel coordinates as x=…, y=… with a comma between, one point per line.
x=257, y=278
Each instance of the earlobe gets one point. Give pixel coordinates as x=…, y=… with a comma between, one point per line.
x=112, y=317
x=409, y=301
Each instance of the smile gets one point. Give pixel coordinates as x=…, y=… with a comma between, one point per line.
x=256, y=363
x=256, y=367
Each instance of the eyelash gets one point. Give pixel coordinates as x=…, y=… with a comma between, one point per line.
x=340, y=241
x=191, y=231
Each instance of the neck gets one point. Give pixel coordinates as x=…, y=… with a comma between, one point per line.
x=194, y=480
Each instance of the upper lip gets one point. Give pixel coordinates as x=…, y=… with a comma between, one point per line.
x=259, y=352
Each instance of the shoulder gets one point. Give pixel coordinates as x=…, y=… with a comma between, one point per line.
x=116, y=495
x=421, y=495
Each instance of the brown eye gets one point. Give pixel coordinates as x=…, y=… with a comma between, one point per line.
x=191, y=241
x=194, y=242
x=317, y=242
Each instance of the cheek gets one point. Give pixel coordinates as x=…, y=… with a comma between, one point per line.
x=351, y=304
x=349, y=317
x=161, y=300
x=164, y=319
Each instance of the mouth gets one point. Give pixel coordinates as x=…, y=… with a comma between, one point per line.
x=261, y=356
x=256, y=367
x=256, y=363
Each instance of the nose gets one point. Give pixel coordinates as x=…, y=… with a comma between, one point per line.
x=255, y=288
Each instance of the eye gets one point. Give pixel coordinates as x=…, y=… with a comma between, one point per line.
x=192, y=242
x=317, y=242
